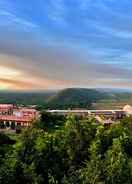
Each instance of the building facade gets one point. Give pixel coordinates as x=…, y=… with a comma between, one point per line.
x=12, y=116
x=114, y=114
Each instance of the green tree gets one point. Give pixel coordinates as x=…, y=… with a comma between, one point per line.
x=116, y=168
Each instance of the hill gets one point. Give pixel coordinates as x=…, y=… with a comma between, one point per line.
x=69, y=98
x=75, y=98
x=25, y=98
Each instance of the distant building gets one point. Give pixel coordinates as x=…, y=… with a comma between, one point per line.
x=11, y=115
x=9, y=120
x=14, y=116
x=106, y=113
x=110, y=116
x=24, y=112
x=128, y=110
x=6, y=108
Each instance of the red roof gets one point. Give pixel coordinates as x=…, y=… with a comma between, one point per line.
x=15, y=118
x=4, y=106
x=27, y=110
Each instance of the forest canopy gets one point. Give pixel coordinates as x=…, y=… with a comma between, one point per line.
x=79, y=151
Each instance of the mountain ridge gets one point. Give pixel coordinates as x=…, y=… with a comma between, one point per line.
x=75, y=98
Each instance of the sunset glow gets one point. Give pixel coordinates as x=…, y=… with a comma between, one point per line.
x=63, y=43
x=8, y=73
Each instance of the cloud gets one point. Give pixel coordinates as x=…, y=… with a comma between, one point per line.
x=56, y=12
x=62, y=43
x=14, y=84
x=10, y=19
x=58, y=70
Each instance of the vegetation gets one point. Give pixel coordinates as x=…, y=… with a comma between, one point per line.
x=75, y=97
x=69, y=98
x=79, y=151
x=25, y=98
x=50, y=122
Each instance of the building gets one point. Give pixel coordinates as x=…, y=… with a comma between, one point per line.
x=128, y=110
x=105, y=116
x=12, y=116
x=114, y=114
x=6, y=109
x=12, y=120
x=26, y=112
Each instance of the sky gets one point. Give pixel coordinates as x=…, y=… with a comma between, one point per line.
x=55, y=44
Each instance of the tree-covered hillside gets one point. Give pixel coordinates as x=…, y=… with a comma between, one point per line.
x=69, y=98
x=25, y=98
x=76, y=98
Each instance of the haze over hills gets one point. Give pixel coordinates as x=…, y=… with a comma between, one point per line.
x=69, y=98
x=26, y=97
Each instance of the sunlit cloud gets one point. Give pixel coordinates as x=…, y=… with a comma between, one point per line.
x=8, y=73
x=64, y=43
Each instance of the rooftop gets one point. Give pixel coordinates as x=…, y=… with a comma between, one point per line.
x=14, y=118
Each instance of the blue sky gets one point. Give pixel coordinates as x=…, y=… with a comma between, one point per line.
x=65, y=43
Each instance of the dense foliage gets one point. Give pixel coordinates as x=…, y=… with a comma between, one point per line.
x=79, y=152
